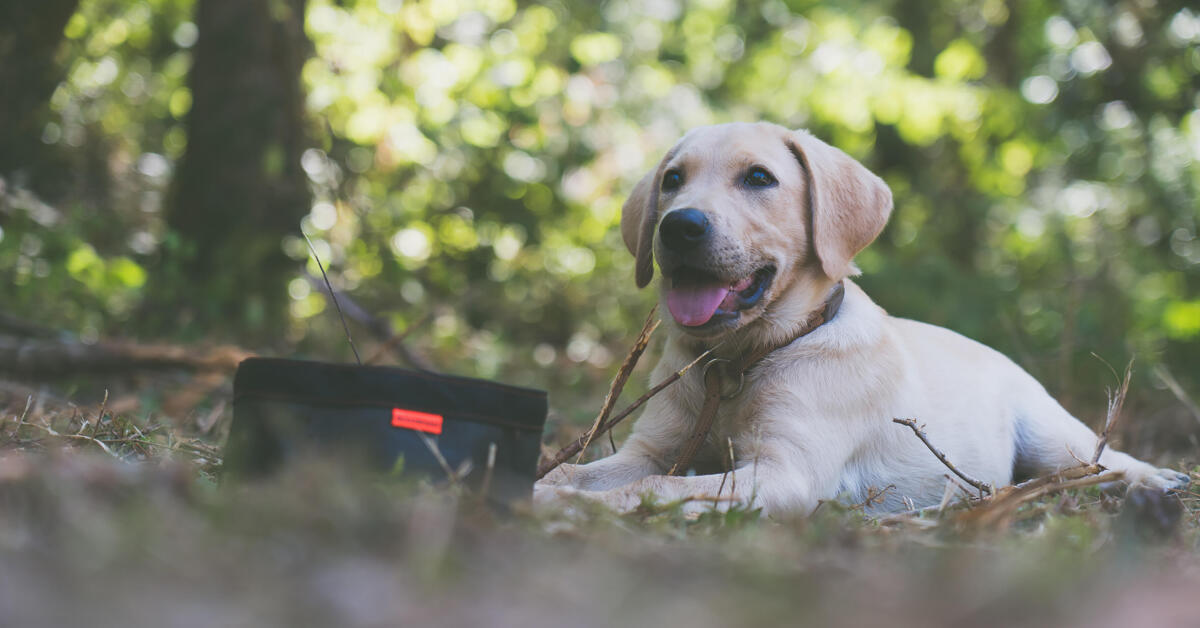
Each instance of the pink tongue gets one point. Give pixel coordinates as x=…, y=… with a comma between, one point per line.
x=695, y=304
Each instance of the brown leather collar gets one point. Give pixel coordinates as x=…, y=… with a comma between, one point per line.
x=712, y=376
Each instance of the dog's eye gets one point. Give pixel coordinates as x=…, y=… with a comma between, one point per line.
x=758, y=177
x=672, y=180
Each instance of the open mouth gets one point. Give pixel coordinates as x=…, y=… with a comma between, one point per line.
x=697, y=298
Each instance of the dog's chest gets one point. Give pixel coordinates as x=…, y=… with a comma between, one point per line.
x=738, y=421
x=748, y=415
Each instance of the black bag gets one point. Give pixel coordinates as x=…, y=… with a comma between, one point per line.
x=284, y=410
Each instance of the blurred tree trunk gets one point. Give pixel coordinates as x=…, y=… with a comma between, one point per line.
x=239, y=189
x=30, y=34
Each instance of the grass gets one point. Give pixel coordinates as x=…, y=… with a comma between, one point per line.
x=122, y=522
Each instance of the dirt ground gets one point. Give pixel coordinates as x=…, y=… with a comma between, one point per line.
x=125, y=524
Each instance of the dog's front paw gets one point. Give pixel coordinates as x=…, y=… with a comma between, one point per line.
x=574, y=500
x=562, y=475
x=1157, y=479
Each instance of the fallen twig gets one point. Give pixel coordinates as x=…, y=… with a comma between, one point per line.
x=618, y=383
x=138, y=441
x=100, y=414
x=575, y=447
x=997, y=511
x=31, y=357
x=488, y=470
x=78, y=436
x=1115, y=402
x=948, y=492
x=875, y=496
x=912, y=424
x=451, y=474
x=908, y=516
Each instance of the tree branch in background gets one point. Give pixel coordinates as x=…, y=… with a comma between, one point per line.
x=28, y=357
x=1173, y=385
x=379, y=327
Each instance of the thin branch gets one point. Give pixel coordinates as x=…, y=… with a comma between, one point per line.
x=732, y=474
x=100, y=414
x=951, y=487
x=486, y=486
x=437, y=455
x=16, y=435
x=332, y=294
x=1173, y=385
x=911, y=516
x=1115, y=402
x=570, y=450
x=618, y=383
x=874, y=496
x=999, y=510
x=379, y=326
x=721, y=488
x=912, y=424
x=79, y=436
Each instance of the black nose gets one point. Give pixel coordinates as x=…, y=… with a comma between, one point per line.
x=684, y=229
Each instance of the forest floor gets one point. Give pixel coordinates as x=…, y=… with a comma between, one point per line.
x=122, y=522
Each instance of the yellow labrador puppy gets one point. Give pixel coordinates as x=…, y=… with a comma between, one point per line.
x=754, y=226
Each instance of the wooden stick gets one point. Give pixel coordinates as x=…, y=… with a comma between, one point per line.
x=1071, y=473
x=618, y=383
x=570, y=450
x=996, y=512
x=912, y=423
x=100, y=414
x=1115, y=402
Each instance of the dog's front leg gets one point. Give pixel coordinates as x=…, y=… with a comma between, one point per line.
x=763, y=484
x=629, y=464
x=653, y=443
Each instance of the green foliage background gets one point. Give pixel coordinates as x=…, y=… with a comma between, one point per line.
x=470, y=158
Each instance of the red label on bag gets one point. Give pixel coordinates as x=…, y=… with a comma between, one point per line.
x=419, y=421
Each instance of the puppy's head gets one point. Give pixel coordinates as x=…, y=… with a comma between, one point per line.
x=746, y=218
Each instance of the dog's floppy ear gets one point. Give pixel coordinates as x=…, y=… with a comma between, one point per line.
x=639, y=216
x=848, y=205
